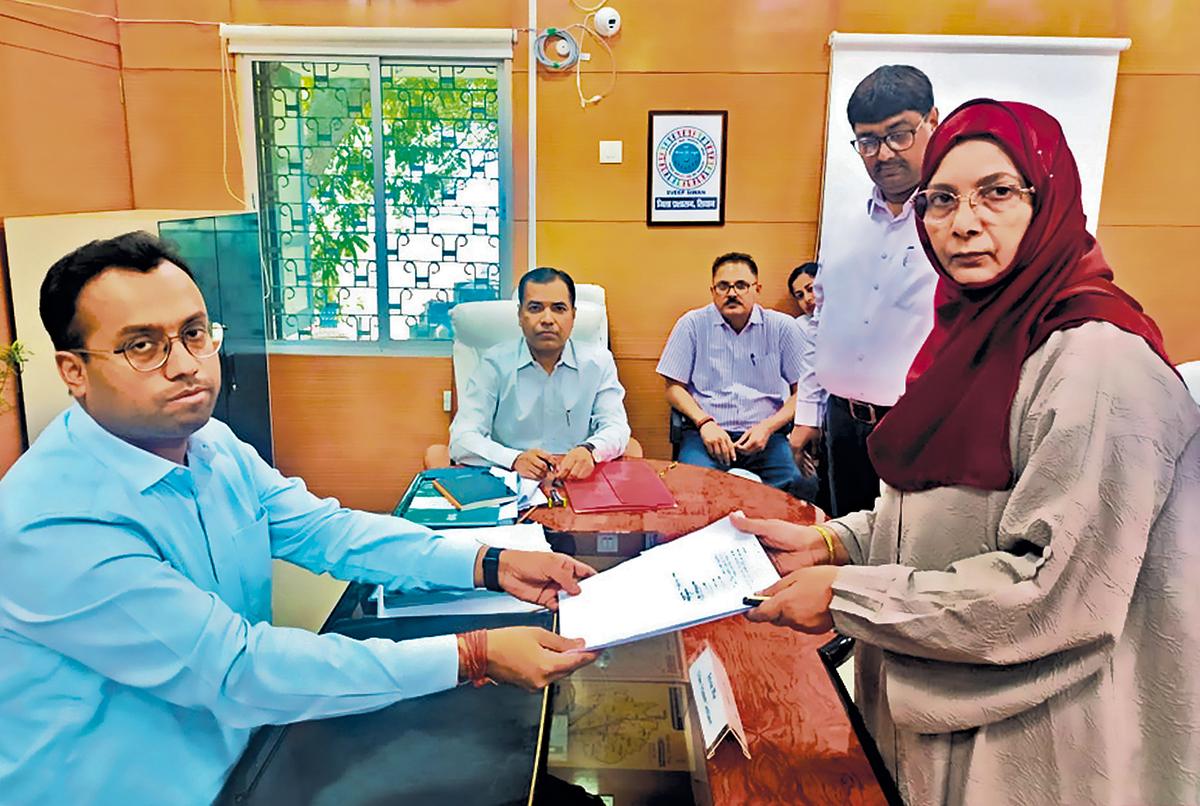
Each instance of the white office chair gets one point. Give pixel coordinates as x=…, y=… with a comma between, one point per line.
x=1191, y=376
x=479, y=326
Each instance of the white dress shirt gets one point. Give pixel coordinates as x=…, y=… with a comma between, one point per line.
x=874, y=310
x=512, y=405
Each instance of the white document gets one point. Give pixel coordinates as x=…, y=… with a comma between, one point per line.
x=691, y=580
x=522, y=536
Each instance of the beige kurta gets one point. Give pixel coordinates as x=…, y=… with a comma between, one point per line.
x=1041, y=645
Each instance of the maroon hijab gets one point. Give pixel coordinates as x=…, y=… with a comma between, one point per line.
x=951, y=425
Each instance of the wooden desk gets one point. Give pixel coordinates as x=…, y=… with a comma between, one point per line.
x=802, y=747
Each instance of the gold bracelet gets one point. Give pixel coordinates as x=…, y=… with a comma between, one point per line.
x=828, y=534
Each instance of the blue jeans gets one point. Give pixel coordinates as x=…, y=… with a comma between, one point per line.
x=774, y=464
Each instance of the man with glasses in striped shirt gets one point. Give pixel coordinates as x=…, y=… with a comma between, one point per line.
x=731, y=369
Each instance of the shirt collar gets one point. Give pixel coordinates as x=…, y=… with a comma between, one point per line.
x=141, y=467
x=877, y=206
x=715, y=317
x=567, y=359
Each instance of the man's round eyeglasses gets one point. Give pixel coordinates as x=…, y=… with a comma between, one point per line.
x=741, y=287
x=997, y=199
x=146, y=353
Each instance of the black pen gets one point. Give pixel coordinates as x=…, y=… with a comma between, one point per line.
x=754, y=600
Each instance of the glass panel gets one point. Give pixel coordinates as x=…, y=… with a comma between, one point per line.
x=223, y=252
x=441, y=139
x=317, y=197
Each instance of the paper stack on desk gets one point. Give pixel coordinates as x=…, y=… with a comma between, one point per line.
x=691, y=580
x=524, y=537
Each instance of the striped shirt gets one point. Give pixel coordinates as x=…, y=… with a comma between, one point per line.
x=739, y=379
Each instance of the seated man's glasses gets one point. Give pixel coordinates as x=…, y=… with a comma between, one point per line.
x=741, y=287
x=997, y=199
x=146, y=352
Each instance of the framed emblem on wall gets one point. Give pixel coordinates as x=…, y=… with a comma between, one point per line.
x=685, y=170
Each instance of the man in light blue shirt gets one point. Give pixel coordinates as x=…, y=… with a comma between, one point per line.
x=731, y=369
x=136, y=538
x=543, y=396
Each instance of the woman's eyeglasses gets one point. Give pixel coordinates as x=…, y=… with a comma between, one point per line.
x=146, y=353
x=997, y=198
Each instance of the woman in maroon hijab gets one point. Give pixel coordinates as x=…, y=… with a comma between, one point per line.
x=1026, y=591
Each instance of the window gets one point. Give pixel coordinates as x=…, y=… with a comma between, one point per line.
x=381, y=193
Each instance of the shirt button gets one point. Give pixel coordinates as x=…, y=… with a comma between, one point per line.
x=877, y=286
x=883, y=256
x=861, y=357
x=866, y=321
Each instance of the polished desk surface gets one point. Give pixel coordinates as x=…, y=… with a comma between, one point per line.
x=802, y=746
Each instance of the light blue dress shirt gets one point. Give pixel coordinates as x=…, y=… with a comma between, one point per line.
x=136, y=651
x=874, y=310
x=511, y=405
x=739, y=379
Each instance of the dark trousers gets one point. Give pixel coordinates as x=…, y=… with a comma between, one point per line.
x=853, y=482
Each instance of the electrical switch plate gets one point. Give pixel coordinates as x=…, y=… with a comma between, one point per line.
x=610, y=152
x=446, y=400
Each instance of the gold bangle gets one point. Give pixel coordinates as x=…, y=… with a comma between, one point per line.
x=828, y=535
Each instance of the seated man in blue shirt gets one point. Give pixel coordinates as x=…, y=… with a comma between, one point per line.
x=731, y=368
x=136, y=538
x=541, y=404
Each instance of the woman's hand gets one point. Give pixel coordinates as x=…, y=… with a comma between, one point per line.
x=790, y=545
x=800, y=601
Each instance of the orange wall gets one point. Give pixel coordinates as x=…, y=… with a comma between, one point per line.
x=62, y=143
x=765, y=61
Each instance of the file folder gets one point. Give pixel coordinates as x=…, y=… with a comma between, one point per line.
x=629, y=485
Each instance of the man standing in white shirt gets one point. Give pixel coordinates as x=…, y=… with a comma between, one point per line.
x=874, y=292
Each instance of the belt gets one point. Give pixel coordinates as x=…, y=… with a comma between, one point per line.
x=868, y=413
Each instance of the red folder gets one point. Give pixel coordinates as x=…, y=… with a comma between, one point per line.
x=630, y=485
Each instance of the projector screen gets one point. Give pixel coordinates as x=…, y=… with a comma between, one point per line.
x=1071, y=78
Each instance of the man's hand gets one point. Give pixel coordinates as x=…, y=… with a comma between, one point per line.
x=534, y=464
x=800, y=601
x=801, y=437
x=754, y=439
x=533, y=658
x=717, y=443
x=537, y=576
x=789, y=545
x=576, y=464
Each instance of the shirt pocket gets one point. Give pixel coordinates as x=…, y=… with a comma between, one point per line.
x=250, y=548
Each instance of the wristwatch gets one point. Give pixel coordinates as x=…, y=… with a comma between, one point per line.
x=590, y=449
x=491, y=569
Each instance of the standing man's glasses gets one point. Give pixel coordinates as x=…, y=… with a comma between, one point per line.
x=146, y=353
x=898, y=140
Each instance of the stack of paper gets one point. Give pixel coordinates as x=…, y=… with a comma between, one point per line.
x=524, y=537
x=693, y=579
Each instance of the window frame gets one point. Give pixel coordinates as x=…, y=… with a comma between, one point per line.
x=375, y=47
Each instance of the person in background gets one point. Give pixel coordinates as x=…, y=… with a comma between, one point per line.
x=136, y=539
x=814, y=482
x=541, y=405
x=874, y=293
x=1023, y=595
x=731, y=369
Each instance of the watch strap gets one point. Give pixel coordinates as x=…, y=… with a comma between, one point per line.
x=491, y=569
